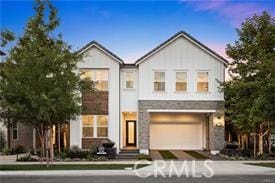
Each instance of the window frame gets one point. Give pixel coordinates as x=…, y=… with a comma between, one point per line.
x=95, y=126
x=208, y=80
x=98, y=126
x=17, y=130
x=165, y=81
x=175, y=83
x=134, y=79
x=88, y=126
x=94, y=76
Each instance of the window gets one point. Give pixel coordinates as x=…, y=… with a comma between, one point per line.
x=181, y=81
x=202, y=82
x=102, y=126
x=15, y=131
x=129, y=79
x=88, y=126
x=99, y=76
x=159, y=81
x=94, y=126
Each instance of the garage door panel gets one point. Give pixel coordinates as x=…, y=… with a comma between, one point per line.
x=176, y=136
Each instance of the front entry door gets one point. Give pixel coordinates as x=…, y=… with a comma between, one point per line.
x=131, y=133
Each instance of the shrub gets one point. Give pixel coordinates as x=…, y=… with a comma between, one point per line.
x=93, y=149
x=7, y=151
x=144, y=157
x=19, y=150
x=2, y=141
x=27, y=158
x=233, y=145
x=76, y=152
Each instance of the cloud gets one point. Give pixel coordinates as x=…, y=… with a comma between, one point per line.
x=233, y=11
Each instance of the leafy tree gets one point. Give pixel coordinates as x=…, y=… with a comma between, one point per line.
x=250, y=93
x=39, y=84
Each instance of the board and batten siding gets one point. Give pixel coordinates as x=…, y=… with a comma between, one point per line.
x=97, y=59
x=180, y=55
x=128, y=99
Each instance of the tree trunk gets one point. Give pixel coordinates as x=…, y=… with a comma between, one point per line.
x=255, y=145
x=261, y=150
x=51, y=145
x=59, y=147
x=42, y=140
x=47, y=147
x=269, y=139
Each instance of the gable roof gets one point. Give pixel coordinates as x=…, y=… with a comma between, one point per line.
x=102, y=48
x=188, y=37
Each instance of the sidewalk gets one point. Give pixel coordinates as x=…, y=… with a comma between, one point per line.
x=218, y=167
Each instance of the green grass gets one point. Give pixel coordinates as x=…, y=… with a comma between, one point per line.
x=69, y=167
x=269, y=165
x=196, y=155
x=167, y=155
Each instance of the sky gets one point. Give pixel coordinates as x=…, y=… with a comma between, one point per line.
x=132, y=28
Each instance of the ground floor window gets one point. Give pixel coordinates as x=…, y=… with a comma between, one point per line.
x=15, y=131
x=94, y=126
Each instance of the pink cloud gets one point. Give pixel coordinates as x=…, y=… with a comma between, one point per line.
x=234, y=12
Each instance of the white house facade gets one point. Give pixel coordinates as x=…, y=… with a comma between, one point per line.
x=167, y=99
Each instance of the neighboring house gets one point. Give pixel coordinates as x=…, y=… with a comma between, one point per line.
x=167, y=99
x=3, y=128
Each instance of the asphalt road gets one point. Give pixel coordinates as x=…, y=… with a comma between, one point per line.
x=133, y=179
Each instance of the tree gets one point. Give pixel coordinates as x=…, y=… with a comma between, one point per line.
x=250, y=100
x=39, y=84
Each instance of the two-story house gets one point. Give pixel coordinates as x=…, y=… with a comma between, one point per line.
x=167, y=99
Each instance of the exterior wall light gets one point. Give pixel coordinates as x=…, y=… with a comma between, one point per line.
x=219, y=124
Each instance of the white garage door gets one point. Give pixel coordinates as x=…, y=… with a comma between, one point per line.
x=176, y=135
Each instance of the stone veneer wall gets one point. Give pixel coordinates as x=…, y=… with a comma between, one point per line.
x=216, y=134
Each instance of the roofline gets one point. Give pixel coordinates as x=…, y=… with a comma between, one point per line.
x=188, y=37
x=2, y=53
x=102, y=48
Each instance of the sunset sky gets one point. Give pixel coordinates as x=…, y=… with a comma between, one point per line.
x=130, y=29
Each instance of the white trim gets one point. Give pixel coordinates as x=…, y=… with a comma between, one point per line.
x=163, y=46
x=102, y=51
x=182, y=110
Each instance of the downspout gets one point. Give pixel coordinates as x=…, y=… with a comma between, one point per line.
x=119, y=108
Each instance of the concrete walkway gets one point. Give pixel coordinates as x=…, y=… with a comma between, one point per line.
x=190, y=168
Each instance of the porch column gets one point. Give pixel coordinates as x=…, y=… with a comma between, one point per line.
x=216, y=132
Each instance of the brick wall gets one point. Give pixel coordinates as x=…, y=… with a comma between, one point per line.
x=88, y=143
x=25, y=137
x=95, y=103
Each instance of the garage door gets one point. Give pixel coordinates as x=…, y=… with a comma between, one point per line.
x=176, y=135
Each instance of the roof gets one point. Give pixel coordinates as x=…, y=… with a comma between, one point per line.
x=2, y=53
x=188, y=37
x=102, y=48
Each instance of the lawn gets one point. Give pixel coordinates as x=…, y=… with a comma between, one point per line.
x=167, y=155
x=69, y=167
x=269, y=165
x=196, y=155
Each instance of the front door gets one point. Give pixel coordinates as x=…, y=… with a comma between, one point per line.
x=131, y=133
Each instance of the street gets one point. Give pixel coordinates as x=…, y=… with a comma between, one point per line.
x=134, y=179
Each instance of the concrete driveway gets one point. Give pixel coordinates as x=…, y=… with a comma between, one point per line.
x=180, y=154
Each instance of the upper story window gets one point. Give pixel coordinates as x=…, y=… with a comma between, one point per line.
x=129, y=80
x=15, y=131
x=181, y=81
x=99, y=76
x=202, y=82
x=159, y=81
